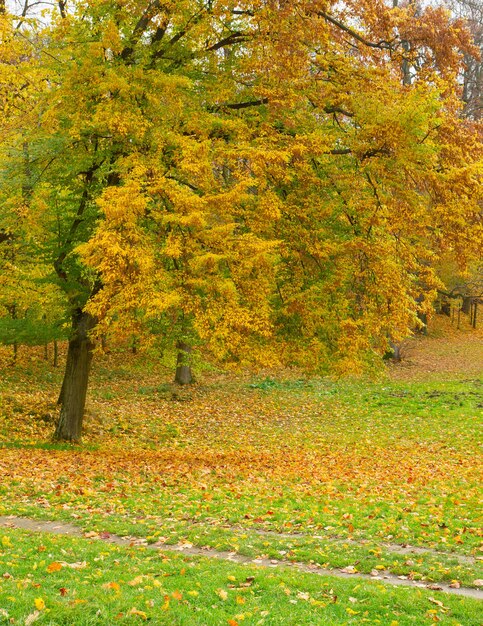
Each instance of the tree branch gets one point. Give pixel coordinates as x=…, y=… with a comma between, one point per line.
x=236, y=37
x=59, y=261
x=240, y=105
x=381, y=45
x=140, y=28
x=335, y=109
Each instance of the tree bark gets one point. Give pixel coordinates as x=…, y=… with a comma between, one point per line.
x=73, y=393
x=396, y=350
x=183, y=374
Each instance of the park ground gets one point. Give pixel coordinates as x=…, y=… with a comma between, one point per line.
x=268, y=499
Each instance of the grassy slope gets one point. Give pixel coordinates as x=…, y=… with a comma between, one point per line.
x=322, y=471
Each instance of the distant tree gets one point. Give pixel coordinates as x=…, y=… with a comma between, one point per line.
x=471, y=11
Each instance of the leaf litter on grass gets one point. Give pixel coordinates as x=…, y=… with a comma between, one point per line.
x=368, y=464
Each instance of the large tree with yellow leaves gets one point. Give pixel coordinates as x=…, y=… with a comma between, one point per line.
x=273, y=179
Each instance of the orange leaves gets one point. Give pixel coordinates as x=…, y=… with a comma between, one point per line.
x=112, y=585
x=140, y=614
x=54, y=567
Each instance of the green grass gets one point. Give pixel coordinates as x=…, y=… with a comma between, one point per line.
x=335, y=473
x=108, y=583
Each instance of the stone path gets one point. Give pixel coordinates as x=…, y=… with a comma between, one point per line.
x=390, y=547
x=64, y=528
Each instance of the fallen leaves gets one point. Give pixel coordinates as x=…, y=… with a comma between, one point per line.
x=438, y=603
x=32, y=618
x=112, y=585
x=136, y=581
x=135, y=611
x=262, y=465
x=54, y=567
x=222, y=594
x=350, y=569
x=91, y=534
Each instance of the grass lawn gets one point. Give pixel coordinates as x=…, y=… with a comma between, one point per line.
x=65, y=580
x=372, y=476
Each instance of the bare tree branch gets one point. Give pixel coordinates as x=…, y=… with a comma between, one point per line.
x=382, y=45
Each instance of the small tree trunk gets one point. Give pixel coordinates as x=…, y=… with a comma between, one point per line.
x=396, y=350
x=56, y=353
x=183, y=374
x=73, y=393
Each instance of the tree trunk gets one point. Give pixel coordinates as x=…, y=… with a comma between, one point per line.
x=396, y=351
x=183, y=374
x=73, y=393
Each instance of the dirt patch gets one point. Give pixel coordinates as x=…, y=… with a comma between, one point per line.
x=446, y=349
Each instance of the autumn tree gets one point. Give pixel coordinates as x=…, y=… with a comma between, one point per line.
x=471, y=11
x=255, y=175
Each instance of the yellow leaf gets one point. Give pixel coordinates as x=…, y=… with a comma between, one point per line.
x=351, y=611
x=165, y=606
x=6, y=542
x=240, y=600
x=177, y=595
x=39, y=604
x=193, y=593
x=438, y=603
x=134, y=611
x=222, y=594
